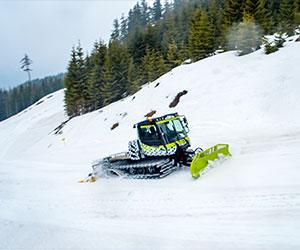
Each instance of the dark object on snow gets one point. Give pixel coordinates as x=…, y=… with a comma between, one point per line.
x=177, y=99
x=298, y=39
x=123, y=114
x=151, y=113
x=156, y=85
x=133, y=98
x=114, y=126
x=58, y=130
x=40, y=102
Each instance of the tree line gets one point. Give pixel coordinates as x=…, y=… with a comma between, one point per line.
x=152, y=40
x=18, y=98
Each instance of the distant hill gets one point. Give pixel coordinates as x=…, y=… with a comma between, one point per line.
x=18, y=98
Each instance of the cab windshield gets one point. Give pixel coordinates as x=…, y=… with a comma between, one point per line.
x=172, y=130
x=162, y=132
x=150, y=136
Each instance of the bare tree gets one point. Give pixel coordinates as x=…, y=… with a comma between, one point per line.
x=25, y=65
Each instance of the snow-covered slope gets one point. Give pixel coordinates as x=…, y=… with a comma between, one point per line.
x=251, y=201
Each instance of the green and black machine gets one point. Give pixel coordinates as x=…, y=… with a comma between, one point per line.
x=161, y=147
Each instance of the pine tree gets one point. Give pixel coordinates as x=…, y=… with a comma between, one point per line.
x=257, y=9
x=25, y=65
x=183, y=25
x=133, y=81
x=161, y=67
x=297, y=14
x=137, y=45
x=263, y=17
x=154, y=65
x=287, y=16
x=250, y=7
x=153, y=38
x=233, y=12
x=135, y=18
x=215, y=15
x=268, y=47
x=123, y=29
x=115, y=35
x=148, y=63
x=169, y=33
x=145, y=13
x=76, y=83
x=97, y=75
x=173, y=55
x=109, y=93
x=200, y=37
x=70, y=82
x=183, y=52
x=81, y=86
x=167, y=8
x=156, y=10
x=130, y=21
x=119, y=59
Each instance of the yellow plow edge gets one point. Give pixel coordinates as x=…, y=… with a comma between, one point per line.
x=200, y=160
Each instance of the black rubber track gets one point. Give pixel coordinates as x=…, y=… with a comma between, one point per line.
x=143, y=169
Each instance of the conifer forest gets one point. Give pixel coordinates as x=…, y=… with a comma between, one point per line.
x=16, y=99
x=152, y=40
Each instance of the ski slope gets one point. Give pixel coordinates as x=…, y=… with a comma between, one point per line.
x=250, y=201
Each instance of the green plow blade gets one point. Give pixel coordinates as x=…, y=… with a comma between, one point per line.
x=200, y=160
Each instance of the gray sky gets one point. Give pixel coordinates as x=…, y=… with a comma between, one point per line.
x=47, y=30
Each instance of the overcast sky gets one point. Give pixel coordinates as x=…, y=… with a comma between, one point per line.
x=47, y=30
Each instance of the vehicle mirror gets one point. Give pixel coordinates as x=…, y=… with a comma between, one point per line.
x=185, y=122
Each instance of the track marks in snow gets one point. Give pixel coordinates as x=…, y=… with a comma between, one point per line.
x=171, y=205
x=269, y=143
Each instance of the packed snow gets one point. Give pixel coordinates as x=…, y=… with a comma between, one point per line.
x=250, y=201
